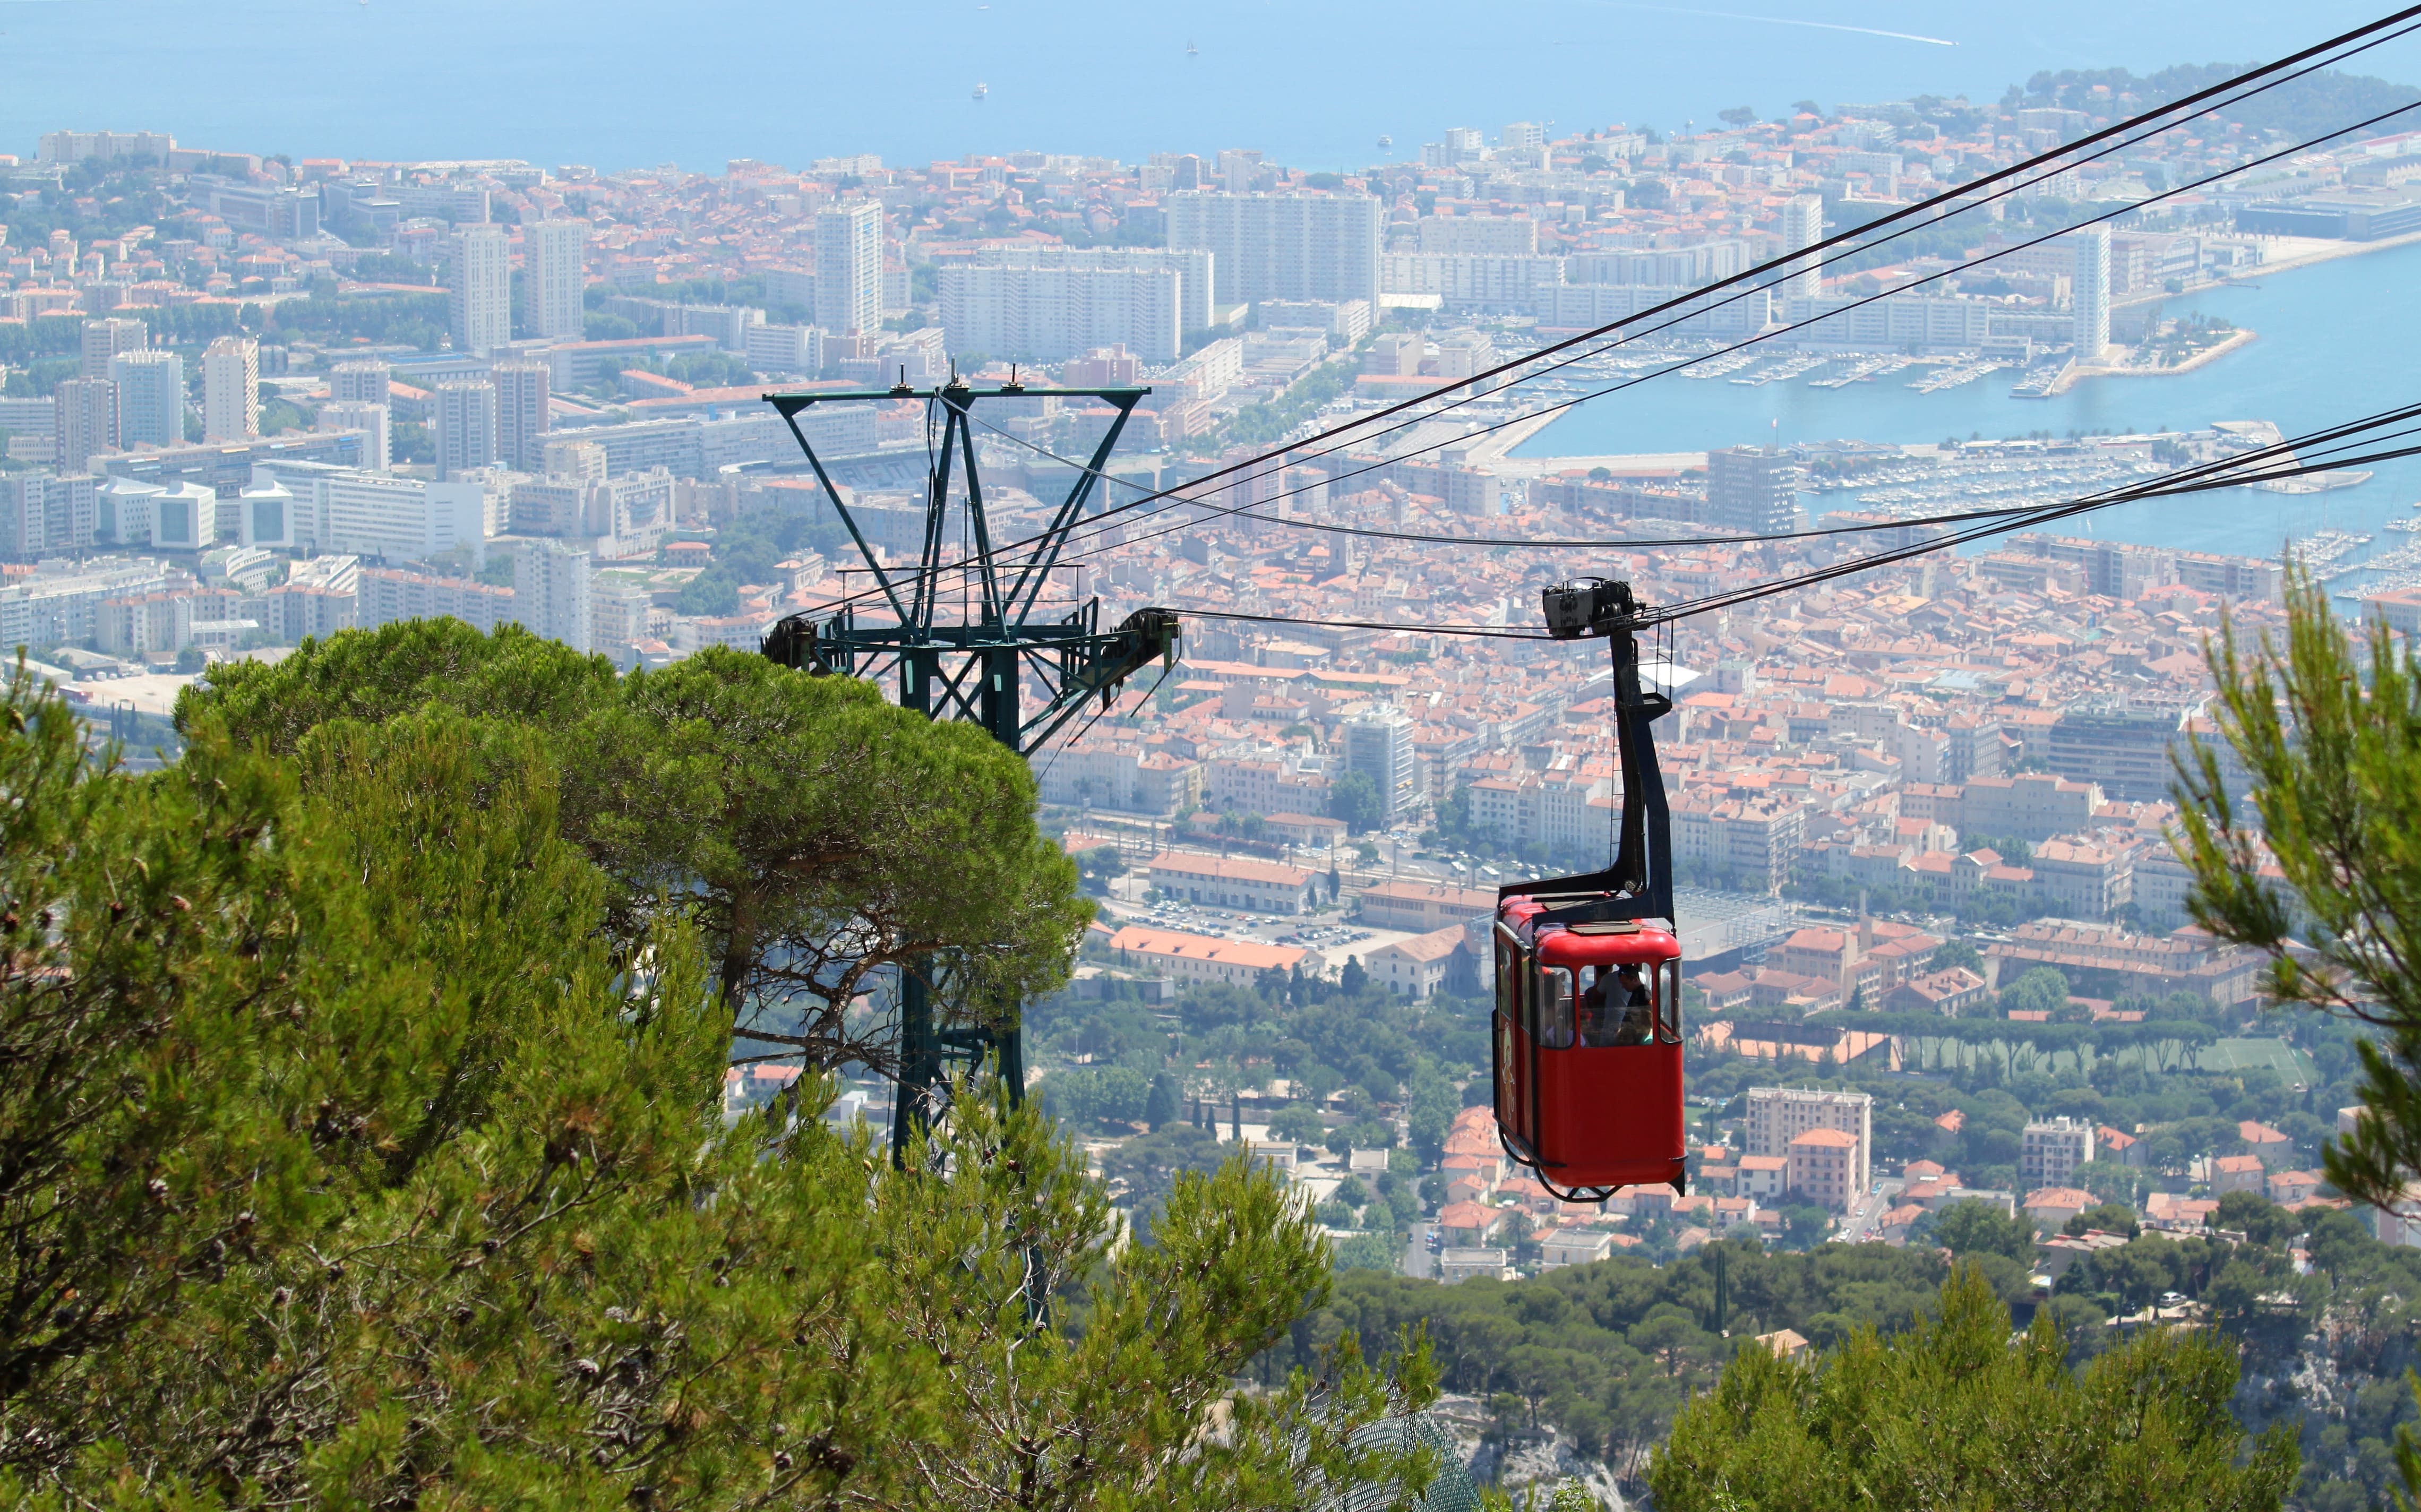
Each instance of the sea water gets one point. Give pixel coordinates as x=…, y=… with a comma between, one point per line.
x=626, y=84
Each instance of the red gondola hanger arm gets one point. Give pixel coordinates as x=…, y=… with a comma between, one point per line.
x=1639, y=883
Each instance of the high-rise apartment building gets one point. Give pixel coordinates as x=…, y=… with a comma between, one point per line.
x=1803, y=227
x=581, y=461
x=1282, y=245
x=785, y=349
x=104, y=339
x=479, y=288
x=551, y=592
x=520, y=413
x=1192, y=266
x=463, y=426
x=1777, y=1115
x=360, y=380
x=346, y=511
x=375, y=422
x=1499, y=236
x=231, y=389
x=151, y=396
x=44, y=513
x=2089, y=289
x=848, y=266
x=554, y=259
x=1752, y=490
x=2052, y=1149
x=1237, y=167
x=1379, y=746
x=1051, y=314
x=84, y=413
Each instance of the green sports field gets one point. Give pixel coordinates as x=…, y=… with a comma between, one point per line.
x=2249, y=1055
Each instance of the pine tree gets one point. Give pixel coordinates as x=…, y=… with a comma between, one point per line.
x=818, y=837
x=1955, y=1412
x=355, y=1162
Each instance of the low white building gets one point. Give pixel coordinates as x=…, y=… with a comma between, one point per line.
x=1227, y=881
x=1463, y=1265
x=1575, y=1246
x=1417, y=967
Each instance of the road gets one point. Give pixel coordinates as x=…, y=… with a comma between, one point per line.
x=1865, y=1223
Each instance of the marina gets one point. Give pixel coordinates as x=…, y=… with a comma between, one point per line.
x=1953, y=377
x=1781, y=372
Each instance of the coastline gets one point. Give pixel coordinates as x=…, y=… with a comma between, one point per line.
x=1491, y=449
x=2311, y=251
x=2200, y=359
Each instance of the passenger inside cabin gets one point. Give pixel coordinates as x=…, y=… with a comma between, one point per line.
x=1638, y=1023
x=1597, y=1026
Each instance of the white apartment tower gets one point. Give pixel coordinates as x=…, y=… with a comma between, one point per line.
x=551, y=592
x=84, y=413
x=479, y=288
x=104, y=339
x=1282, y=245
x=231, y=389
x=463, y=426
x=520, y=413
x=151, y=396
x=1803, y=227
x=1482, y=235
x=848, y=266
x=360, y=380
x=1052, y=314
x=2052, y=1150
x=1777, y=1115
x=2090, y=287
x=1379, y=746
x=555, y=261
x=1192, y=267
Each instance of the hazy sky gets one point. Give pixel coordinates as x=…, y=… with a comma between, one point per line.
x=620, y=83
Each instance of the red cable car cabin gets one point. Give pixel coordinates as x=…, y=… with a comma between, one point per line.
x=1587, y=1032
x=1589, y=1050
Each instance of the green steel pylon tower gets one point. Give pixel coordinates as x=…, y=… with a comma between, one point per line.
x=972, y=656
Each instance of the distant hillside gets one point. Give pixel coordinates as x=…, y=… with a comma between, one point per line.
x=2304, y=108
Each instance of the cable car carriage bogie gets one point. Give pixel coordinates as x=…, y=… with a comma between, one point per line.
x=1588, y=1029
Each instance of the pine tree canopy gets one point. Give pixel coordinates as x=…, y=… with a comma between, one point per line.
x=1955, y=1412
x=363, y=1144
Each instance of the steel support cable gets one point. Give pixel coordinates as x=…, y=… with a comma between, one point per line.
x=1692, y=607
x=2189, y=104
x=2386, y=24
x=2314, y=451
x=1851, y=243
x=1360, y=435
x=2171, y=486
x=1859, y=238
x=2239, y=471
x=1099, y=525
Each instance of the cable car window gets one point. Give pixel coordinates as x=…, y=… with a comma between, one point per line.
x=1668, y=1013
x=1556, y=985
